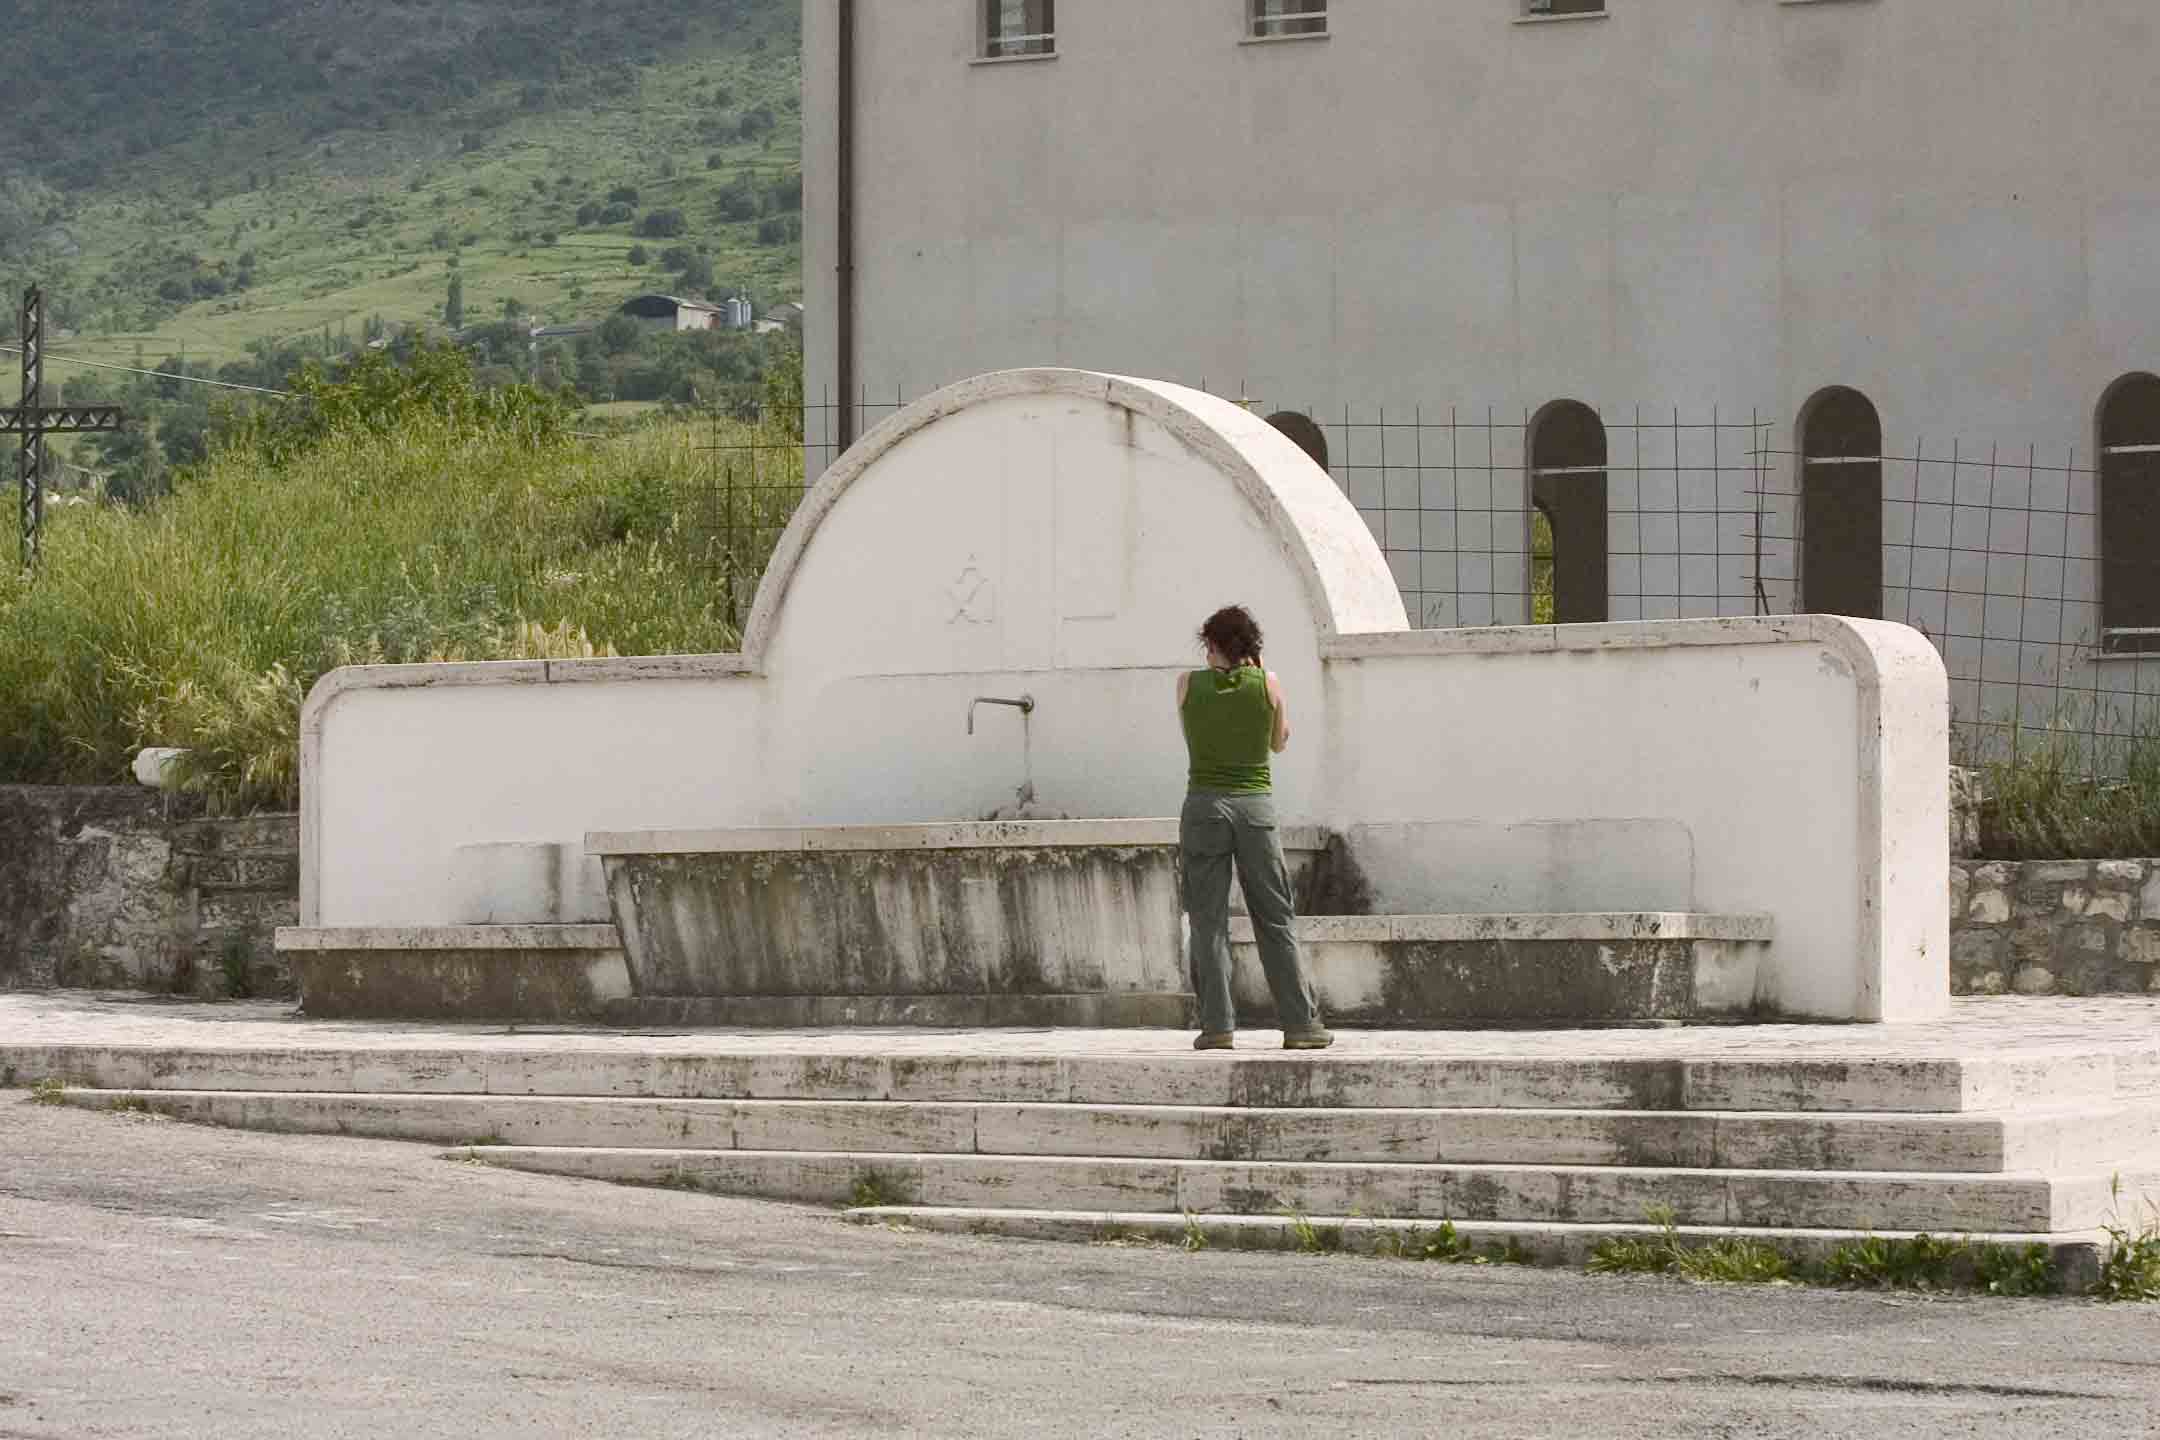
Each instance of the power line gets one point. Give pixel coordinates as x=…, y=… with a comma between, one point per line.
x=158, y=374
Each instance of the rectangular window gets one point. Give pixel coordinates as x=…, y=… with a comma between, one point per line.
x=1563, y=7
x=1273, y=19
x=1019, y=27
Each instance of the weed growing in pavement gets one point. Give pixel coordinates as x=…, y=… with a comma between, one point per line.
x=1732, y=1260
x=1638, y=1256
x=1736, y=1261
x=1921, y=1262
x=2131, y=1269
x=2016, y=1270
x=874, y=1189
x=1195, y=1233
x=48, y=1091
x=1632, y=1257
x=1311, y=1239
x=1446, y=1245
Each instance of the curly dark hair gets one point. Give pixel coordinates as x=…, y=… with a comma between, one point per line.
x=1234, y=633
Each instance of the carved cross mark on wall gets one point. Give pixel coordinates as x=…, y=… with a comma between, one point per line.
x=974, y=598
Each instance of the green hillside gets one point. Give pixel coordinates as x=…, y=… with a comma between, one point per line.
x=217, y=178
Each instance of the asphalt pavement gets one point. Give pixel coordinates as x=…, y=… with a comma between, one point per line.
x=159, y=1279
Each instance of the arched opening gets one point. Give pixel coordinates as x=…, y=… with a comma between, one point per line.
x=2130, y=515
x=1841, y=505
x=1307, y=435
x=1567, y=489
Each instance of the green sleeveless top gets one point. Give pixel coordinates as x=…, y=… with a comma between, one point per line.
x=1229, y=721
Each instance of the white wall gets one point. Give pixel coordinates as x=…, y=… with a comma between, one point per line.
x=1062, y=534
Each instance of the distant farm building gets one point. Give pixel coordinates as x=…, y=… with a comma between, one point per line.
x=671, y=312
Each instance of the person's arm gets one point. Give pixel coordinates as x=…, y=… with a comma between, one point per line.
x=1182, y=681
x=1281, y=739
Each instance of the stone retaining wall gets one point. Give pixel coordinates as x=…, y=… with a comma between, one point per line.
x=106, y=887
x=2063, y=927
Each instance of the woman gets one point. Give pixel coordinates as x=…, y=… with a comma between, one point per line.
x=1234, y=717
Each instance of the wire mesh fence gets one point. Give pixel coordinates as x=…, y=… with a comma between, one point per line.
x=759, y=459
x=1559, y=516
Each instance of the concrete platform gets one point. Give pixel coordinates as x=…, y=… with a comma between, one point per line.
x=2034, y=1119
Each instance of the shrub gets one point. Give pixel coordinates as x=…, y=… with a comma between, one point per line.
x=663, y=224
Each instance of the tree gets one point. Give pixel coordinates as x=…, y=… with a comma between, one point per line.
x=639, y=255
x=697, y=272
x=662, y=224
x=619, y=334
x=453, y=313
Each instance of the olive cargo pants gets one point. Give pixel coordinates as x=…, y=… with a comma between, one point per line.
x=1215, y=832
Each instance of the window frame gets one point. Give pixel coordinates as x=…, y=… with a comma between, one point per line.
x=1528, y=15
x=991, y=48
x=2123, y=484
x=1258, y=22
x=1828, y=512
x=1567, y=468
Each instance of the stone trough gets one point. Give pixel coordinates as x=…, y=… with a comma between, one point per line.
x=988, y=922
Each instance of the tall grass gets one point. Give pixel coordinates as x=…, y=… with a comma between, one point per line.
x=202, y=621
x=2073, y=789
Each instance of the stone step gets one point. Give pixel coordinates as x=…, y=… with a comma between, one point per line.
x=2076, y=1254
x=697, y=1068
x=2051, y=1141
x=1859, y=1200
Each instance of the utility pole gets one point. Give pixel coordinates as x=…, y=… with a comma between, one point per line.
x=34, y=420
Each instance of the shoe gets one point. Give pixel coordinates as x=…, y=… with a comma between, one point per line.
x=1317, y=1038
x=1215, y=1040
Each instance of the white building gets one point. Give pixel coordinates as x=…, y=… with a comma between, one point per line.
x=1733, y=277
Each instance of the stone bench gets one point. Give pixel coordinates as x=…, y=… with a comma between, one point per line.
x=1451, y=970
x=533, y=973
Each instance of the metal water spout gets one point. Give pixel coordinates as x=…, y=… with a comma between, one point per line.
x=1025, y=705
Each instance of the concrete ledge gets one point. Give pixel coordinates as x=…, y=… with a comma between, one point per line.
x=1603, y=926
x=1134, y=1010
x=956, y=835
x=301, y=939
x=531, y=973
